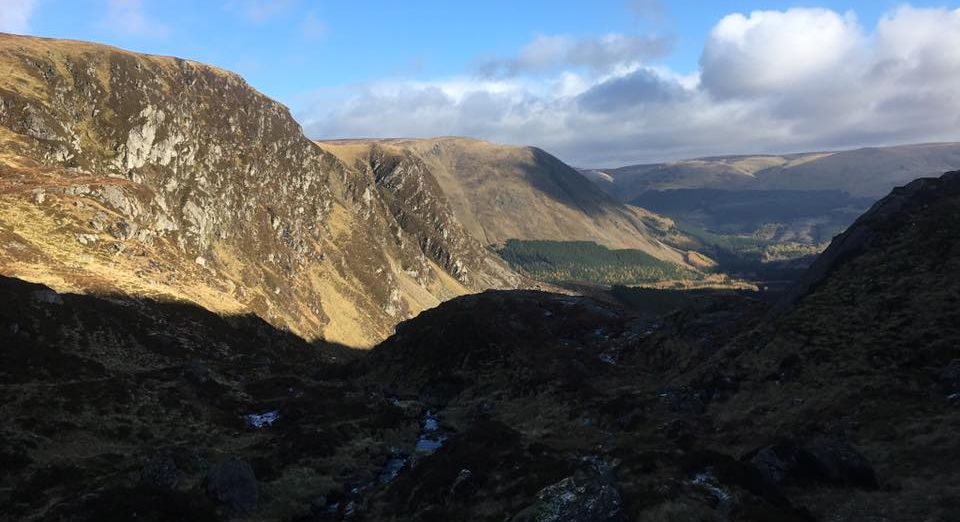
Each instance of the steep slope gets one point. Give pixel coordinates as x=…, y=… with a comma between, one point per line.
x=167, y=178
x=500, y=192
x=865, y=352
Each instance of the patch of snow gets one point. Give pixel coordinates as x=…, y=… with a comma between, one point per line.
x=263, y=419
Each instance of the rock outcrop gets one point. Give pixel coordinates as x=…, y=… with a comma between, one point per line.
x=164, y=177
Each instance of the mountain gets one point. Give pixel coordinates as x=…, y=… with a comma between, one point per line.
x=502, y=192
x=762, y=217
x=868, y=172
x=168, y=268
x=165, y=178
x=837, y=403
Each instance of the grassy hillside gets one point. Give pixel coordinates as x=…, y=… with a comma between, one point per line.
x=501, y=192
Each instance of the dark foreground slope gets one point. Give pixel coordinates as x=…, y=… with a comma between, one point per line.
x=839, y=405
x=116, y=408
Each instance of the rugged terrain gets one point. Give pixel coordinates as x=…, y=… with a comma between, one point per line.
x=837, y=402
x=123, y=173
x=505, y=196
x=501, y=192
x=167, y=272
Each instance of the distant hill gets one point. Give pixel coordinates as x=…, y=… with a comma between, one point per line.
x=501, y=192
x=869, y=172
x=760, y=209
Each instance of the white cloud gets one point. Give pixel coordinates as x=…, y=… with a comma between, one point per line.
x=15, y=16
x=551, y=52
x=129, y=17
x=770, y=81
x=776, y=51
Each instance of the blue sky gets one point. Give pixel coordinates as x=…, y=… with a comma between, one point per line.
x=338, y=65
x=289, y=48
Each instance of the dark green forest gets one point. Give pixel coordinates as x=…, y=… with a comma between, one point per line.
x=585, y=261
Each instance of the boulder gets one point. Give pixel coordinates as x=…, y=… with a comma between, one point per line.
x=580, y=498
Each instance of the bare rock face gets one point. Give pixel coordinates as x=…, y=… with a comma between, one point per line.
x=189, y=162
x=420, y=207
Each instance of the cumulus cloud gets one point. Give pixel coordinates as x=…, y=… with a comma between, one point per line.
x=779, y=51
x=15, y=16
x=130, y=17
x=769, y=81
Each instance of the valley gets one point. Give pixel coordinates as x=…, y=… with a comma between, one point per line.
x=208, y=315
x=764, y=218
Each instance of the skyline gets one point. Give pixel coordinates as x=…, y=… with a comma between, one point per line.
x=628, y=82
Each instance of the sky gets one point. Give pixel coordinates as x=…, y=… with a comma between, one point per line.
x=599, y=84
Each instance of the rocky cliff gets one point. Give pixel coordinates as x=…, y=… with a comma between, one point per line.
x=167, y=178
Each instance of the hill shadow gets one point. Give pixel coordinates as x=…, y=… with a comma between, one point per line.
x=111, y=401
x=49, y=335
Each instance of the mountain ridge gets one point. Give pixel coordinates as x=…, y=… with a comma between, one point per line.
x=861, y=170
x=110, y=184
x=502, y=192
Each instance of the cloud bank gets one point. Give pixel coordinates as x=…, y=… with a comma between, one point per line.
x=768, y=81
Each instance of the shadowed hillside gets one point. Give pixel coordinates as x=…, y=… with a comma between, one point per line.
x=838, y=404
